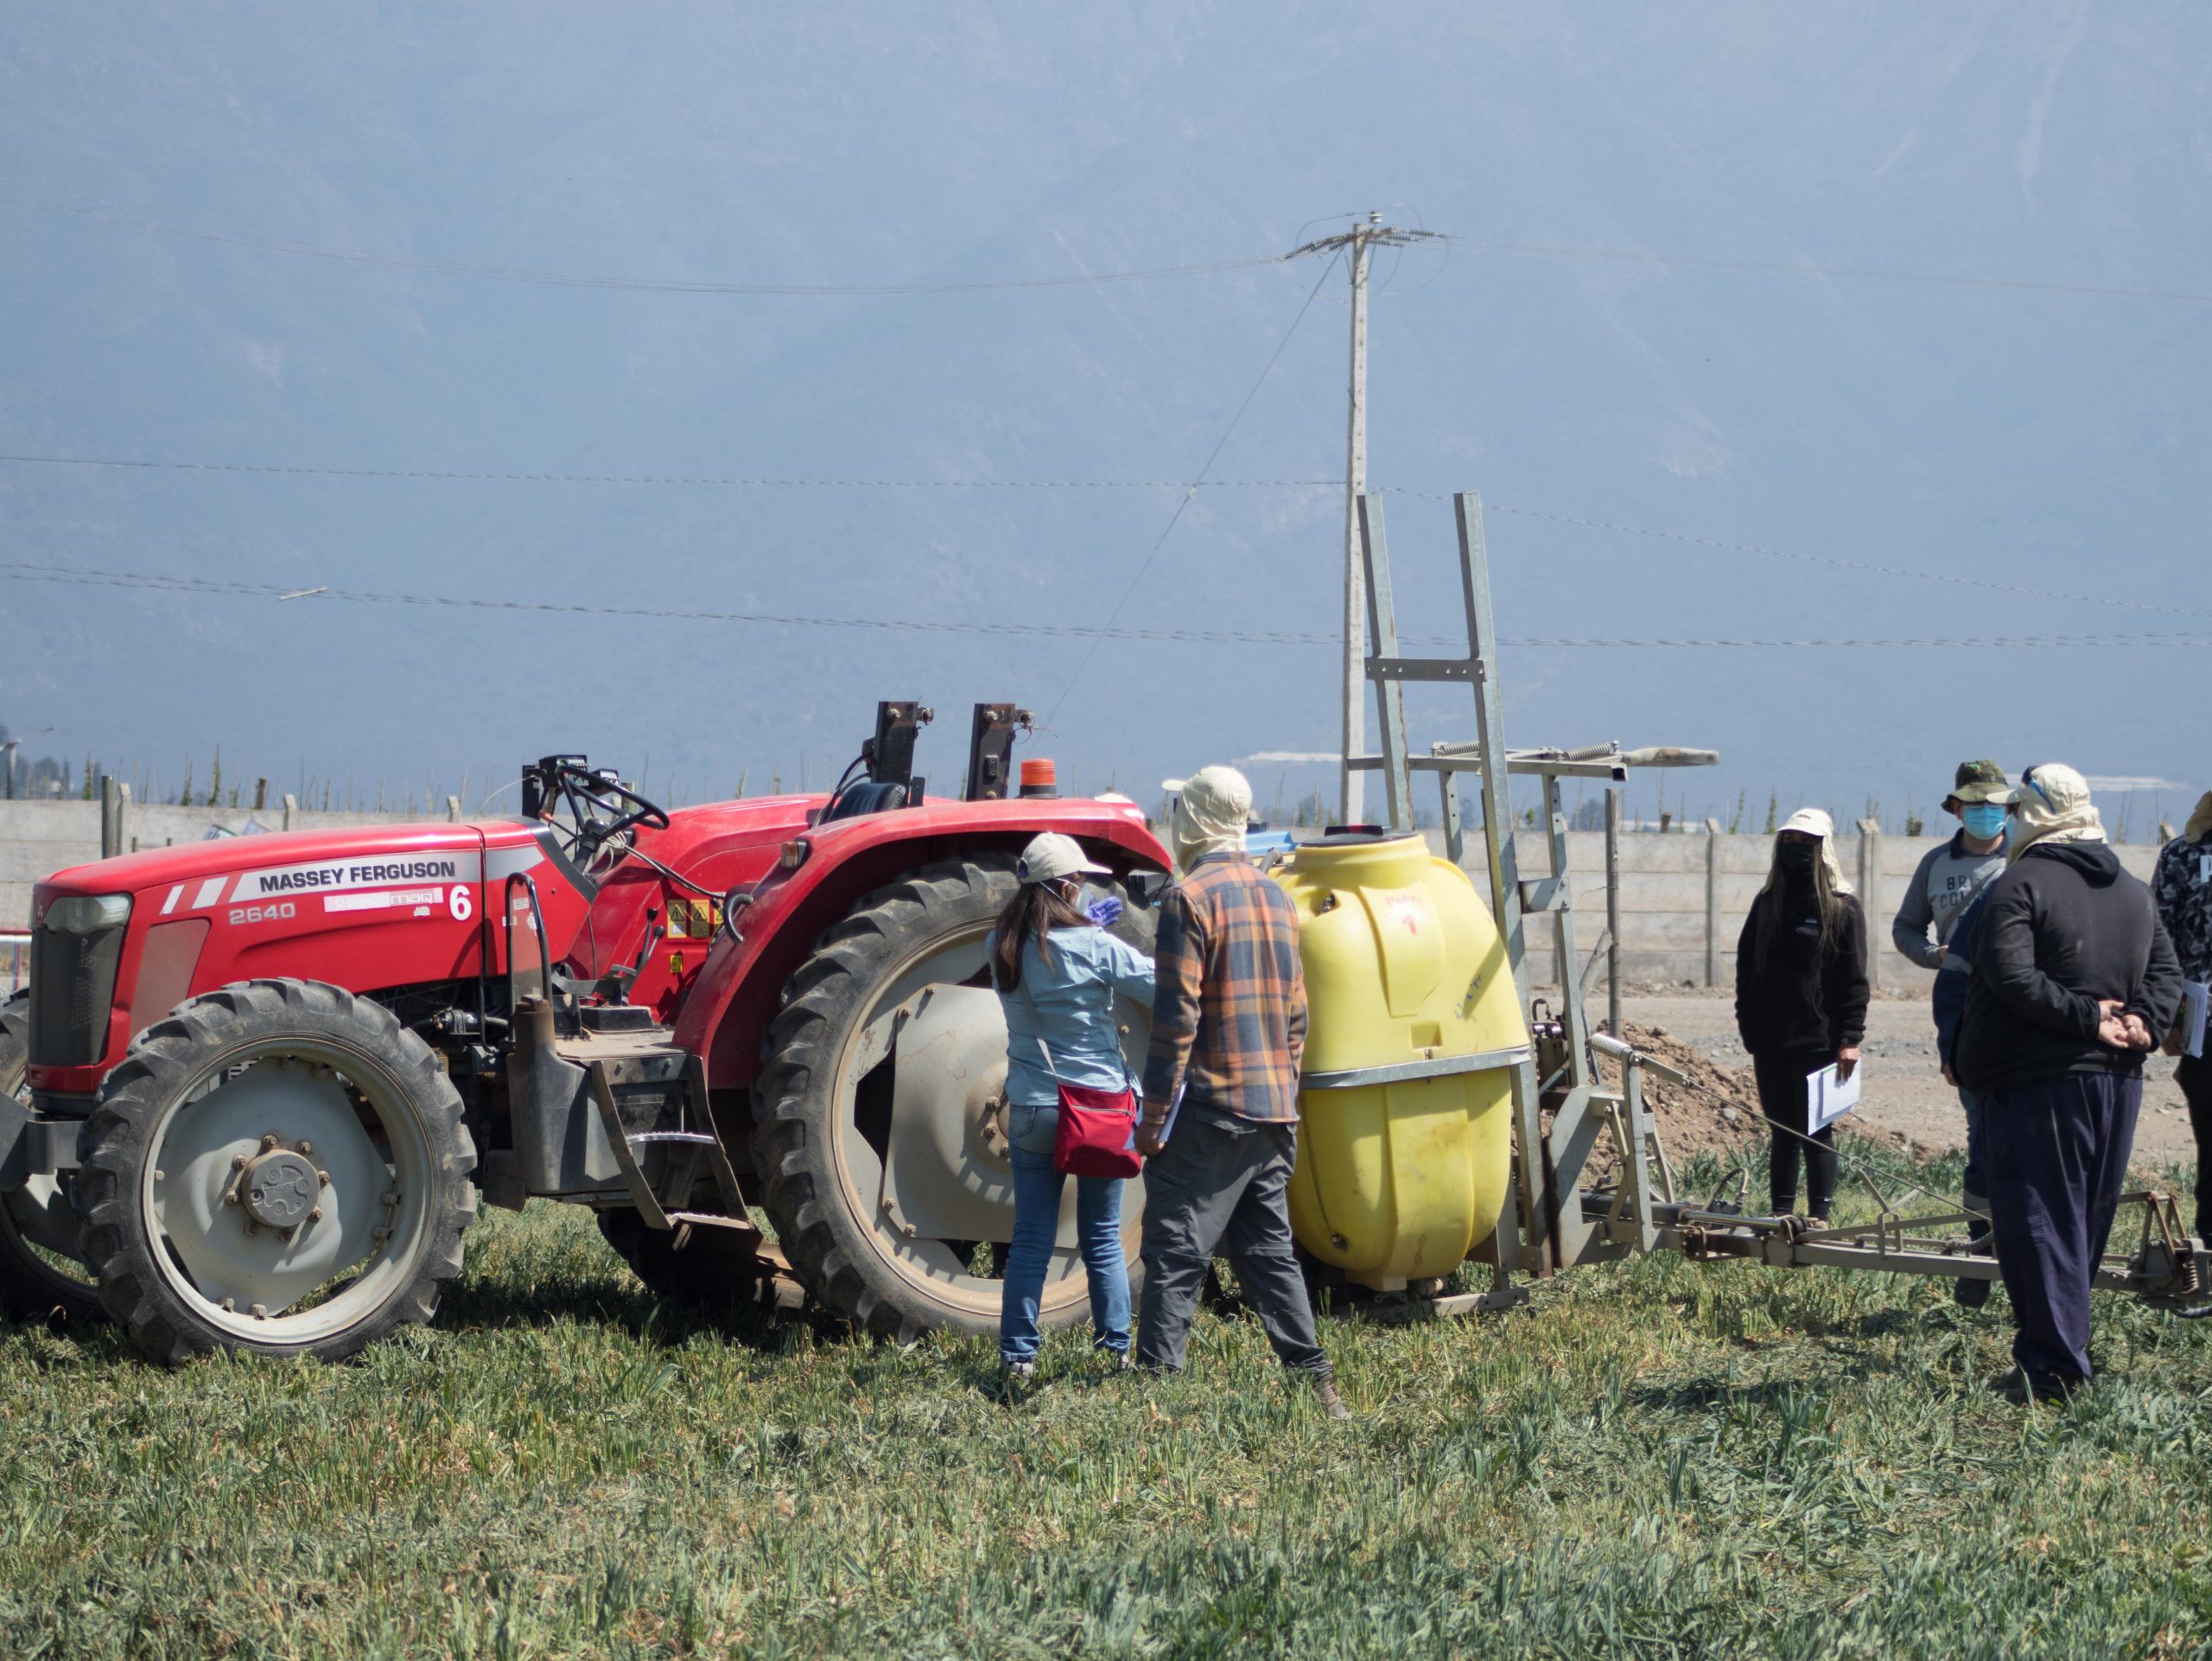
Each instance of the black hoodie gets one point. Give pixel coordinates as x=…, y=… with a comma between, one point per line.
x=1805, y=998
x=2063, y=929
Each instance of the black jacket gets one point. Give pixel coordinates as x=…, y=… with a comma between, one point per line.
x=1804, y=999
x=2063, y=929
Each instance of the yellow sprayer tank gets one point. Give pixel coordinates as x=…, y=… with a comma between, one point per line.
x=1404, y=1142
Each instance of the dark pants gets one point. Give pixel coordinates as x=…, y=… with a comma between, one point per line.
x=2194, y=1074
x=1223, y=1182
x=1976, y=1188
x=1786, y=1099
x=2054, y=1154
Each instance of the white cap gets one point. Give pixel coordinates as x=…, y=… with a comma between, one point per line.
x=1050, y=855
x=1809, y=822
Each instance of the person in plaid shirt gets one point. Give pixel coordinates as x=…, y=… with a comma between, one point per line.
x=1228, y=1026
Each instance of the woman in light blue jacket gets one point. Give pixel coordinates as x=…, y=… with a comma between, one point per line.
x=1058, y=971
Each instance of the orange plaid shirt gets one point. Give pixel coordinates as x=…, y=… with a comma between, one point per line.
x=1229, y=1007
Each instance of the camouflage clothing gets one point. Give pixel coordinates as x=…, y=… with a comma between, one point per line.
x=2182, y=887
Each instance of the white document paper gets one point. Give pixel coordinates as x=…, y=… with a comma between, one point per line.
x=1174, y=1111
x=2196, y=1005
x=1828, y=1097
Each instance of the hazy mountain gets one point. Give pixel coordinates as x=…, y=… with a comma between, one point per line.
x=1979, y=434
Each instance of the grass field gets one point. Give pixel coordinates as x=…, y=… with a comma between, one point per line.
x=1652, y=1459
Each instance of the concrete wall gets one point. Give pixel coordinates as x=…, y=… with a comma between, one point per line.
x=1663, y=917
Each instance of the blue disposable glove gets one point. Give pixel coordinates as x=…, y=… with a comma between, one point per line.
x=1105, y=913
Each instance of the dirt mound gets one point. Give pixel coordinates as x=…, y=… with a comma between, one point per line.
x=1717, y=1110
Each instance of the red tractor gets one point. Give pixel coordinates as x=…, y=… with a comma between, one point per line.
x=258, y=1084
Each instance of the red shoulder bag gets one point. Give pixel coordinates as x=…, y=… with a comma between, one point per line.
x=1097, y=1130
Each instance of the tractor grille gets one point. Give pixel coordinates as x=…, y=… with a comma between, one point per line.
x=73, y=988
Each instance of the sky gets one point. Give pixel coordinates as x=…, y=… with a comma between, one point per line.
x=1885, y=325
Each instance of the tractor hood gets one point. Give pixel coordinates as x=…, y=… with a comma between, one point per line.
x=364, y=907
x=299, y=861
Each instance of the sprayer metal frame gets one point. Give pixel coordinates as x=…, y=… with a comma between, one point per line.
x=1556, y=1223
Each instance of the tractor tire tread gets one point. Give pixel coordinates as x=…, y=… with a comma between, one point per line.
x=799, y=1043
x=162, y=1060
x=30, y=1294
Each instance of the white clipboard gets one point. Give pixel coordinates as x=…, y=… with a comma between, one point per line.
x=1827, y=1097
x=2195, y=1005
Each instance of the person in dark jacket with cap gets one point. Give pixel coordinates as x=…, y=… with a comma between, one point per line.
x=1948, y=999
x=1949, y=879
x=2073, y=972
x=1801, y=1001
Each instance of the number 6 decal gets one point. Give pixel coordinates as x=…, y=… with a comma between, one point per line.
x=460, y=902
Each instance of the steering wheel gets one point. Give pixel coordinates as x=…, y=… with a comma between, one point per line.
x=586, y=792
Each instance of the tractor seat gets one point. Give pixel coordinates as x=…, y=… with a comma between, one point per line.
x=865, y=797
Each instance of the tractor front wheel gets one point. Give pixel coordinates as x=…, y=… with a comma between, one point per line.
x=878, y=1127
x=39, y=1277
x=278, y=1167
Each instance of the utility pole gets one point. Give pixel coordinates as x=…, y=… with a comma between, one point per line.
x=1356, y=242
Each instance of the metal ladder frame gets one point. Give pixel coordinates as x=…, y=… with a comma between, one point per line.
x=1553, y=1232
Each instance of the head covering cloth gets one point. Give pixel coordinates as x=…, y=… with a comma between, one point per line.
x=2199, y=828
x=1210, y=816
x=2052, y=805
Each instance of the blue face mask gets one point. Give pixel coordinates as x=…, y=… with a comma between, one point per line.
x=1983, y=819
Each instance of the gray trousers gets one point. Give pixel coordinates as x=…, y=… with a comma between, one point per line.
x=1222, y=1183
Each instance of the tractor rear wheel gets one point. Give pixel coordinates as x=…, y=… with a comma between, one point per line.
x=278, y=1167
x=41, y=1278
x=877, y=1126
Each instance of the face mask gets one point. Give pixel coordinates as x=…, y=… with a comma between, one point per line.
x=1983, y=819
x=1796, y=858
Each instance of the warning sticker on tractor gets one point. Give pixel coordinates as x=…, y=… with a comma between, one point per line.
x=694, y=919
x=325, y=877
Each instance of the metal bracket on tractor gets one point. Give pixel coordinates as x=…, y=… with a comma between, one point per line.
x=990, y=750
x=1567, y=1119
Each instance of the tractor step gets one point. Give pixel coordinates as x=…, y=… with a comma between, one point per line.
x=711, y=1220
x=593, y=1109
x=635, y=1060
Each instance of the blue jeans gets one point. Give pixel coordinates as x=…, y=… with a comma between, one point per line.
x=1036, y=1224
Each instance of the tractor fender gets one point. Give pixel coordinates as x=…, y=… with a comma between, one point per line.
x=727, y=1011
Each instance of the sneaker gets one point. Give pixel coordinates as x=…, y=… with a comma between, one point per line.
x=1331, y=1404
x=1017, y=1372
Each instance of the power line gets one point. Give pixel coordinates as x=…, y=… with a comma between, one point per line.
x=1852, y=273
x=110, y=214
x=1212, y=456
x=737, y=482
x=86, y=576
x=107, y=215
x=487, y=476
